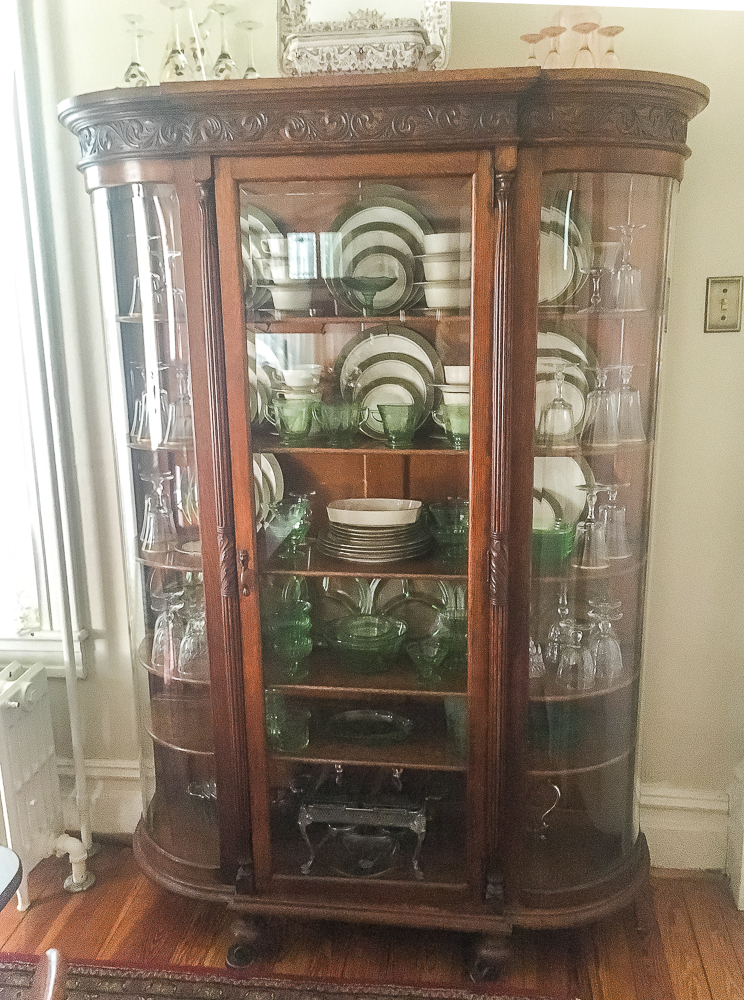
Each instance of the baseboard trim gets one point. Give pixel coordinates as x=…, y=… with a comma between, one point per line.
x=685, y=828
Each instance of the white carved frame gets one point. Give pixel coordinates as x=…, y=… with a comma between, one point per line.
x=365, y=42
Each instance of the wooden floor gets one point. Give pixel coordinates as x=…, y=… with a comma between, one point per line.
x=683, y=941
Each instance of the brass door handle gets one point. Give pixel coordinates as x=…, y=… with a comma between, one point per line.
x=245, y=571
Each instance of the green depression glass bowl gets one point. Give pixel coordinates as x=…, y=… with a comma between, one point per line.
x=366, y=643
x=552, y=546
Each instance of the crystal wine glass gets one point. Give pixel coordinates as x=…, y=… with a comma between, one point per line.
x=600, y=420
x=158, y=532
x=532, y=39
x=612, y=514
x=251, y=73
x=604, y=647
x=590, y=544
x=553, y=58
x=610, y=59
x=180, y=427
x=627, y=280
x=184, y=52
x=576, y=670
x=225, y=67
x=537, y=663
x=556, y=427
x=135, y=75
x=193, y=655
x=629, y=417
x=552, y=649
x=584, y=58
x=168, y=632
x=603, y=260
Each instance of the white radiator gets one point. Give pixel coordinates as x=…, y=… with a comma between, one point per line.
x=29, y=783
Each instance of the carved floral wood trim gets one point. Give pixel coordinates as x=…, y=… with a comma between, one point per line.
x=450, y=124
x=476, y=108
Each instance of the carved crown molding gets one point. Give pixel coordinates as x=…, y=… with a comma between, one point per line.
x=617, y=121
x=443, y=125
x=385, y=111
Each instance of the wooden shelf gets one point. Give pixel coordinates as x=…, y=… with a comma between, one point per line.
x=182, y=724
x=329, y=679
x=311, y=562
x=544, y=689
x=422, y=446
x=144, y=656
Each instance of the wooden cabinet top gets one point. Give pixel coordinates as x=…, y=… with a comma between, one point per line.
x=385, y=112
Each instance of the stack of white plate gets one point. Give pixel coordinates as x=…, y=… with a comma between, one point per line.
x=380, y=233
x=268, y=484
x=565, y=255
x=388, y=364
x=555, y=348
x=374, y=530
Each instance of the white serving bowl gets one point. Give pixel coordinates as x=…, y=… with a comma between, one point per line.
x=373, y=511
x=292, y=298
x=447, y=294
x=302, y=376
x=457, y=394
x=457, y=374
x=446, y=242
x=445, y=267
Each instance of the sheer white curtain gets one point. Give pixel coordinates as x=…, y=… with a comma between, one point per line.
x=43, y=605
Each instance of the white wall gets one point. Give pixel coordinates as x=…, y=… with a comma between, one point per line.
x=693, y=713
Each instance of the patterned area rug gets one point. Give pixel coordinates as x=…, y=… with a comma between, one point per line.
x=89, y=982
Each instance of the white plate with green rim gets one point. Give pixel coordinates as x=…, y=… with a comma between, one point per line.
x=270, y=461
x=383, y=211
x=565, y=479
x=255, y=225
x=388, y=338
x=393, y=367
x=574, y=392
x=565, y=257
x=387, y=390
x=373, y=262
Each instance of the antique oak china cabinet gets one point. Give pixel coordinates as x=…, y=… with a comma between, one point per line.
x=383, y=357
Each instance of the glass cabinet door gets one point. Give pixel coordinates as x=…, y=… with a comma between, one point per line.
x=140, y=251
x=357, y=324
x=602, y=287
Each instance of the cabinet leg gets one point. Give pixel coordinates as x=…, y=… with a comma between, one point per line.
x=488, y=955
x=254, y=939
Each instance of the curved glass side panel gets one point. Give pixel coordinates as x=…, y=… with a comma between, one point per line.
x=602, y=290
x=140, y=252
x=357, y=304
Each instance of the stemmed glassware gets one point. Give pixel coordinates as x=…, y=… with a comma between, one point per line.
x=193, y=655
x=225, y=67
x=168, y=632
x=612, y=514
x=251, y=73
x=584, y=58
x=552, y=650
x=576, y=670
x=553, y=58
x=532, y=39
x=627, y=280
x=537, y=663
x=600, y=419
x=184, y=54
x=604, y=647
x=610, y=59
x=603, y=260
x=556, y=427
x=590, y=545
x=629, y=417
x=158, y=532
x=135, y=75
x=180, y=427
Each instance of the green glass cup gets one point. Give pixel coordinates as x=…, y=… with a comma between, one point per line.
x=455, y=419
x=339, y=422
x=287, y=726
x=399, y=422
x=293, y=418
x=450, y=527
x=292, y=645
x=289, y=523
x=428, y=655
x=456, y=714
